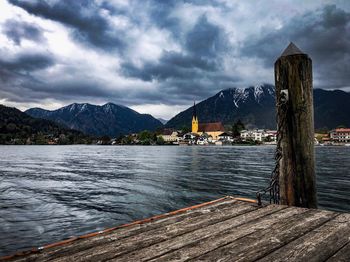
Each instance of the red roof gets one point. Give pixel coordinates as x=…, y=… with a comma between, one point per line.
x=344, y=130
x=211, y=127
x=167, y=131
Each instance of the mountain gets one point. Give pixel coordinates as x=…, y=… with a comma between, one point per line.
x=110, y=119
x=255, y=106
x=18, y=126
x=331, y=108
x=163, y=121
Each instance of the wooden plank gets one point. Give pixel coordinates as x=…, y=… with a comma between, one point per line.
x=263, y=242
x=216, y=241
x=159, y=234
x=214, y=235
x=226, y=231
x=318, y=245
x=343, y=255
x=142, y=241
x=92, y=242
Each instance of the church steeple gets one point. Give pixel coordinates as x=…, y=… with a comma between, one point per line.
x=194, y=110
x=194, y=119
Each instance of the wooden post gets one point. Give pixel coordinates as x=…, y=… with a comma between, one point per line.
x=294, y=94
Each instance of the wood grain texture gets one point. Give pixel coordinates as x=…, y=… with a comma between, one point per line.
x=343, y=255
x=262, y=242
x=92, y=242
x=154, y=236
x=229, y=230
x=297, y=178
x=318, y=245
x=211, y=237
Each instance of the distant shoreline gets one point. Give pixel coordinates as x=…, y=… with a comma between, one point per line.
x=140, y=145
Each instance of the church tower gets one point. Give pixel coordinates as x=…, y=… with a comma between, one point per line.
x=194, y=119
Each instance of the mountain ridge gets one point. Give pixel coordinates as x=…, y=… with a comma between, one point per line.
x=109, y=119
x=255, y=106
x=252, y=105
x=15, y=124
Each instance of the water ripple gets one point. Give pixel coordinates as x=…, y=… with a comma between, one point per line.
x=48, y=193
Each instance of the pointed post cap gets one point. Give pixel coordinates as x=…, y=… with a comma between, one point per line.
x=292, y=49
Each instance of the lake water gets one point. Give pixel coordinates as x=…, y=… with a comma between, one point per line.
x=48, y=193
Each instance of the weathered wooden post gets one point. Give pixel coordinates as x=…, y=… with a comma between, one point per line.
x=294, y=94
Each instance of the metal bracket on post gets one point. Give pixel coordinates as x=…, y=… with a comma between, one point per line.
x=284, y=95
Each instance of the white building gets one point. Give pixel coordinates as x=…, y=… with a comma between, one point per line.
x=259, y=135
x=226, y=137
x=340, y=135
x=270, y=135
x=169, y=135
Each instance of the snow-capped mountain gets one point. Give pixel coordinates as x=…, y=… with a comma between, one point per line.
x=243, y=95
x=255, y=106
x=109, y=119
x=252, y=105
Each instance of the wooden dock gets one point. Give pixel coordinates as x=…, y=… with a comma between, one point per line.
x=227, y=229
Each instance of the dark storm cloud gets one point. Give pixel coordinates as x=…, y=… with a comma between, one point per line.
x=160, y=13
x=170, y=65
x=16, y=79
x=20, y=84
x=16, y=84
x=206, y=39
x=89, y=25
x=27, y=62
x=74, y=88
x=17, y=30
x=323, y=34
x=188, y=61
x=23, y=87
x=156, y=71
x=197, y=56
x=195, y=67
x=180, y=72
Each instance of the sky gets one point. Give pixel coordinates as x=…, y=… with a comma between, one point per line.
x=158, y=56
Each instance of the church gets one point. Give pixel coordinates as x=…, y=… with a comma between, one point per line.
x=212, y=129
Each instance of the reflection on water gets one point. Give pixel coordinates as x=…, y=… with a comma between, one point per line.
x=48, y=193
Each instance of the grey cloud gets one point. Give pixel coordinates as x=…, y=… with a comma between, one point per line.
x=156, y=71
x=170, y=65
x=188, y=61
x=187, y=73
x=195, y=71
x=83, y=16
x=206, y=39
x=16, y=86
x=202, y=49
x=17, y=30
x=24, y=87
x=76, y=88
x=160, y=14
x=16, y=79
x=323, y=34
x=27, y=62
x=161, y=11
x=183, y=72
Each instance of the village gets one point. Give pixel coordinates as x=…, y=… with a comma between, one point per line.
x=216, y=133
x=336, y=137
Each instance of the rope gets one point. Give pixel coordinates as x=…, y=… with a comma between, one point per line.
x=274, y=188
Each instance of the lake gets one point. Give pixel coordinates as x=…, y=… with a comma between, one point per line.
x=48, y=193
